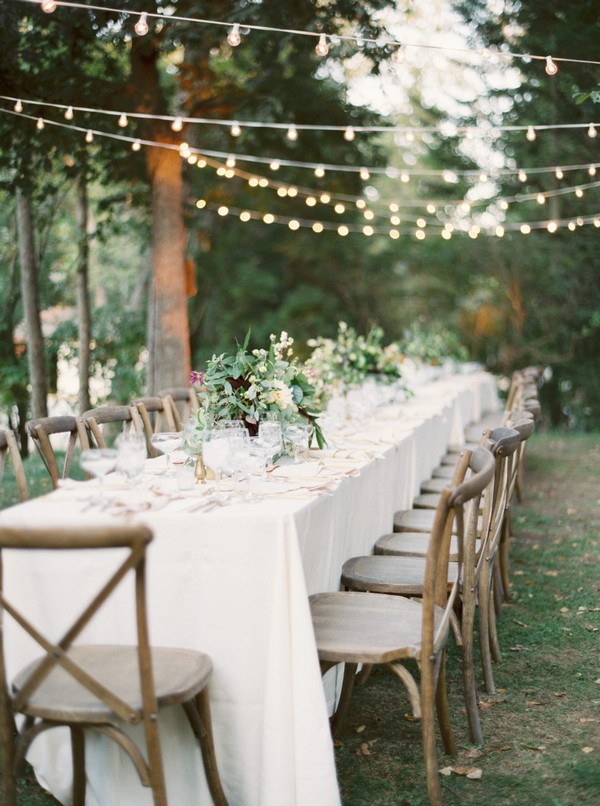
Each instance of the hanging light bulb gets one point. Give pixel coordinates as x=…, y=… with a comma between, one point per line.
x=522, y=176
x=551, y=226
x=40, y=124
x=499, y=231
x=123, y=121
x=230, y=162
x=18, y=106
x=292, y=133
x=235, y=130
x=322, y=48
x=559, y=173
x=48, y=6
x=141, y=26
x=317, y=227
x=349, y=133
x=541, y=199
x=531, y=134
x=525, y=229
x=578, y=192
x=177, y=124
x=592, y=131
x=551, y=67
x=364, y=173
x=89, y=136
x=592, y=170
x=274, y=166
x=319, y=171
x=233, y=37
x=69, y=113
x=136, y=145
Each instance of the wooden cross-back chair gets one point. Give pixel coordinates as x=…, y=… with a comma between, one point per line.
x=354, y=627
x=94, y=424
x=100, y=687
x=184, y=400
x=10, y=448
x=42, y=429
x=157, y=414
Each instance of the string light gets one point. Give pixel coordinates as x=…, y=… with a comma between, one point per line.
x=317, y=227
x=499, y=231
x=525, y=229
x=235, y=130
x=18, y=107
x=559, y=174
x=233, y=37
x=592, y=170
x=540, y=198
x=319, y=171
x=592, y=131
x=531, y=134
x=551, y=67
x=578, y=192
x=349, y=134
x=48, y=6
x=364, y=174
x=177, y=124
x=551, y=226
x=522, y=176
x=89, y=136
x=274, y=166
x=322, y=48
x=292, y=133
x=123, y=121
x=223, y=210
x=40, y=124
x=136, y=145
x=141, y=26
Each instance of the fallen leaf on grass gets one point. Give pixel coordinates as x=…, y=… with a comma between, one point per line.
x=474, y=773
x=584, y=719
x=520, y=623
x=564, y=609
x=411, y=717
x=490, y=703
x=539, y=747
x=338, y=743
x=551, y=573
x=518, y=573
x=560, y=693
x=365, y=748
x=360, y=728
x=598, y=681
x=473, y=753
x=533, y=702
x=571, y=511
x=587, y=749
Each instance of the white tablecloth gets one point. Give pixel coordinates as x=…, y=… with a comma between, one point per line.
x=234, y=582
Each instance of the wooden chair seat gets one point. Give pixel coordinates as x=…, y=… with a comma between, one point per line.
x=443, y=472
x=434, y=485
x=179, y=674
x=412, y=544
x=368, y=628
x=402, y=576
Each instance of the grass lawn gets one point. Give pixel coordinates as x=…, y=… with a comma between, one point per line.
x=542, y=728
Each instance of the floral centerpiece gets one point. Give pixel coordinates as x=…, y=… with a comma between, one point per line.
x=348, y=360
x=432, y=345
x=259, y=384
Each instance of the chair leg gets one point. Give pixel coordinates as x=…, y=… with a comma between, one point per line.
x=8, y=789
x=200, y=720
x=484, y=630
x=434, y=789
x=468, y=669
x=443, y=712
x=504, y=557
x=346, y=693
x=493, y=634
x=78, y=756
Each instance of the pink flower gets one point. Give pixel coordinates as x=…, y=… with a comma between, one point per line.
x=196, y=377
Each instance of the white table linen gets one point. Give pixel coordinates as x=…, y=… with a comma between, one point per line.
x=234, y=582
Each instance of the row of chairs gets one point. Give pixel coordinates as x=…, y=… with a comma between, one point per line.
x=443, y=570
x=166, y=411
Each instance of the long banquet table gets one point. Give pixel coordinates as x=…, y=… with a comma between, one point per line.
x=234, y=582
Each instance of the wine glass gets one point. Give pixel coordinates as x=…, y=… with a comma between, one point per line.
x=270, y=434
x=97, y=462
x=298, y=434
x=217, y=453
x=166, y=442
x=131, y=454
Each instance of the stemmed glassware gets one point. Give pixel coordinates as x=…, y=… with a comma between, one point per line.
x=270, y=435
x=167, y=442
x=131, y=455
x=217, y=454
x=298, y=434
x=97, y=462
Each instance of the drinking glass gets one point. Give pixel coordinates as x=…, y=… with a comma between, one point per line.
x=298, y=434
x=131, y=455
x=217, y=452
x=167, y=442
x=250, y=462
x=97, y=462
x=270, y=434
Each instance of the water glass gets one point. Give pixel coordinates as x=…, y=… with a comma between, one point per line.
x=270, y=434
x=98, y=462
x=298, y=434
x=131, y=454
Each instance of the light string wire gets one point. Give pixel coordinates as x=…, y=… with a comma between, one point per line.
x=345, y=229
x=357, y=39
x=443, y=129
x=307, y=192
x=391, y=172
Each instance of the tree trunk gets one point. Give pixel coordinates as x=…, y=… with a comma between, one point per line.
x=168, y=324
x=31, y=306
x=83, y=297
